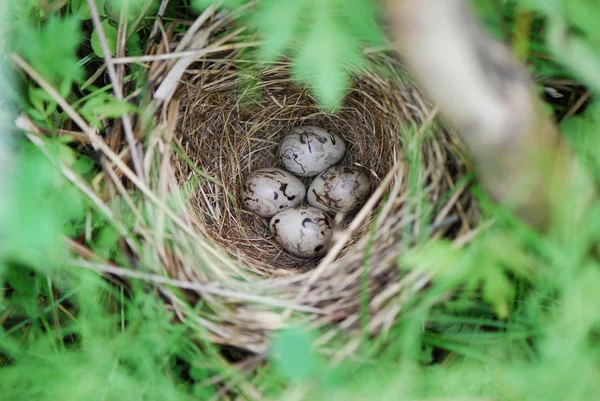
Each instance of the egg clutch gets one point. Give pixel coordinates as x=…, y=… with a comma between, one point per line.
x=306, y=230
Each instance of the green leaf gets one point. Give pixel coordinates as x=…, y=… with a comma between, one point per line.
x=498, y=291
x=111, y=34
x=114, y=109
x=51, y=50
x=578, y=14
x=293, y=354
x=41, y=101
x=326, y=58
x=485, y=264
x=204, y=392
x=278, y=23
x=104, y=105
x=437, y=257
x=83, y=165
x=40, y=201
x=66, y=154
x=82, y=10
x=360, y=19
x=576, y=52
x=134, y=45
x=133, y=8
x=107, y=237
x=582, y=133
x=549, y=7
x=199, y=373
x=22, y=282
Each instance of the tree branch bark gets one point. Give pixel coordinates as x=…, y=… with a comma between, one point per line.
x=487, y=96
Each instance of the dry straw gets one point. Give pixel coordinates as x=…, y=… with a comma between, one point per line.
x=217, y=118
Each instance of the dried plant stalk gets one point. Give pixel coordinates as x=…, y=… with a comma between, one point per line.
x=487, y=96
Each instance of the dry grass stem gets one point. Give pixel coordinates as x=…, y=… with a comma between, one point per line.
x=117, y=88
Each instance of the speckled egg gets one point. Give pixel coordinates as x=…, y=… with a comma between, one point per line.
x=303, y=231
x=339, y=189
x=268, y=191
x=308, y=150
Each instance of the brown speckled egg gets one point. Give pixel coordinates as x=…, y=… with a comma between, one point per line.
x=268, y=191
x=303, y=231
x=339, y=189
x=308, y=150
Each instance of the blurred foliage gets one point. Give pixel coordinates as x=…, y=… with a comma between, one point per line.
x=323, y=38
x=51, y=51
x=132, y=9
x=491, y=263
x=580, y=132
x=521, y=323
x=293, y=355
x=42, y=206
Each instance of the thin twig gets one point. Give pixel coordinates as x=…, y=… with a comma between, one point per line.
x=187, y=53
x=159, y=16
x=153, y=278
x=118, y=91
x=577, y=106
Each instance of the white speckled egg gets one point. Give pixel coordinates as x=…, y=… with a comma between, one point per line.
x=303, y=231
x=268, y=191
x=308, y=150
x=339, y=189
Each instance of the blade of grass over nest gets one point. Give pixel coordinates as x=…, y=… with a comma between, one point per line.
x=447, y=200
x=364, y=282
x=248, y=80
x=419, y=202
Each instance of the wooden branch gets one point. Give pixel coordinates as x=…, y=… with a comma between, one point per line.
x=487, y=96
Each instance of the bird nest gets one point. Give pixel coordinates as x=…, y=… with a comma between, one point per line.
x=218, y=119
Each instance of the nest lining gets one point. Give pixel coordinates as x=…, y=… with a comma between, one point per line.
x=227, y=129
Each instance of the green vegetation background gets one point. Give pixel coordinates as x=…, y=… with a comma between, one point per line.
x=524, y=325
